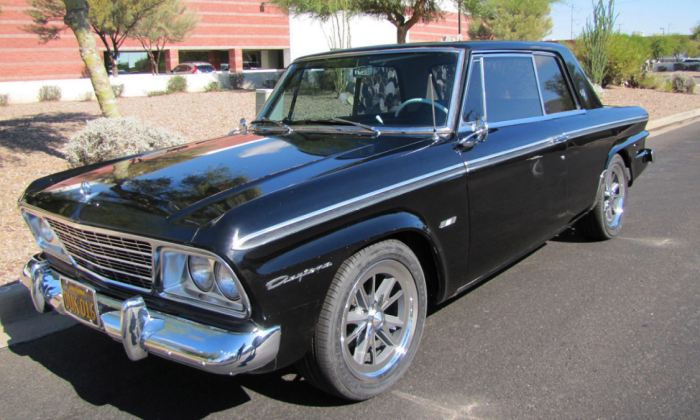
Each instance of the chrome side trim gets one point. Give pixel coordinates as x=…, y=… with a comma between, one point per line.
x=317, y=217
x=483, y=162
x=607, y=126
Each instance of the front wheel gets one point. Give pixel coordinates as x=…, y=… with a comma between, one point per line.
x=370, y=324
x=604, y=221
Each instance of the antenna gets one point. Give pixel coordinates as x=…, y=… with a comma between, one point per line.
x=432, y=98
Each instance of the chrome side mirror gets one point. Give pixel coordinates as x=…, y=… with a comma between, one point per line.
x=243, y=127
x=480, y=132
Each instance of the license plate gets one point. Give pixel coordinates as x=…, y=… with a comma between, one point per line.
x=79, y=300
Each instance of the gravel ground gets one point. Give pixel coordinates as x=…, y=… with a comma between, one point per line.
x=32, y=137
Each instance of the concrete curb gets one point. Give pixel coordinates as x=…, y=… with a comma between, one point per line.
x=683, y=117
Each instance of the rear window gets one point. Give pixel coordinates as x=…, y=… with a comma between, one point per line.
x=206, y=68
x=555, y=91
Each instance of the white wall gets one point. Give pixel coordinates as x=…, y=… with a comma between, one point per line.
x=134, y=85
x=308, y=36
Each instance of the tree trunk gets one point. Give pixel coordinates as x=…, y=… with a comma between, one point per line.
x=401, y=32
x=77, y=19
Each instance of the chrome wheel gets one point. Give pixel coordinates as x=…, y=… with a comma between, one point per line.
x=614, y=196
x=379, y=319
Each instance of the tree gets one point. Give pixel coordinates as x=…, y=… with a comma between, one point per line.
x=111, y=20
x=403, y=14
x=595, y=37
x=695, y=32
x=74, y=15
x=661, y=46
x=510, y=20
x=171, y=22
x=682, y=45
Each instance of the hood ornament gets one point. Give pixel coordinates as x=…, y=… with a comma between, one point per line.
x=86, y=192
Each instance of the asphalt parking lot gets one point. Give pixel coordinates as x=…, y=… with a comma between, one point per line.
x=575, y=330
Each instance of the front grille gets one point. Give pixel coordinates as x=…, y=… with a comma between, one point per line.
x=115, y=258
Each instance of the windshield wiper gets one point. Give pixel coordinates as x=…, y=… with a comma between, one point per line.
x=345, y=122
x=278, y=123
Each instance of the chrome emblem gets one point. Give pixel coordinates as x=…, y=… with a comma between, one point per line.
x=85, y=188
x=286, y=279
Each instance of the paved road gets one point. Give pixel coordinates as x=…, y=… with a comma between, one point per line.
x=575, y=330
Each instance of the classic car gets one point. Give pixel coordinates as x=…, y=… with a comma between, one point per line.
x=374, y=182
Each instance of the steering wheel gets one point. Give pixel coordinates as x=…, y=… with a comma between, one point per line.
x=423, y=100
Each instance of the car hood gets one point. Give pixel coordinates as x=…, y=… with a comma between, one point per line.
x=179, y=190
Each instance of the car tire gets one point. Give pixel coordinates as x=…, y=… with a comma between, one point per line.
x=370, y=325
x=604, y=221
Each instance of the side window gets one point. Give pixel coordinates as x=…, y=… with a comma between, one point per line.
x=511, y=88
x=474, y=104
x=555, y=91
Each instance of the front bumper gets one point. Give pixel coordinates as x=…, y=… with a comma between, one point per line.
x=144, y=332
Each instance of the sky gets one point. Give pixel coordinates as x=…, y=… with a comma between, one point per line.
x=647, y=16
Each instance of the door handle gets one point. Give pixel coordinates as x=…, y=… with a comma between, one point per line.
x=560, y=139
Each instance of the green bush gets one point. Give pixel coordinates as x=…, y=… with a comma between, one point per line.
x=236, y=80
x=682, y=83
x=626, y=60
x=4, y=99
x=118, y=90
x=649, y=81
x=85, y=97
x=156, y=93
x=177, y=84
x=109, y=138
x=213, y=87
x=49, y=93
x=679, y=67
x=269, y=83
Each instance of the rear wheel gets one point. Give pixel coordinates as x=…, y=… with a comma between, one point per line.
x=605, y=220
x=370, y=325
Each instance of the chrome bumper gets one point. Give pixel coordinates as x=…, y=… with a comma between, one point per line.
x=142, y=331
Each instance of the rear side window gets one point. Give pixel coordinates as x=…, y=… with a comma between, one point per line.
x=205, y=68
x=555, y=91
x=511, y=88
x=180, y=68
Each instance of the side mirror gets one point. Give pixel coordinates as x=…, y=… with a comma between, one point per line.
x=480, y=132
x=243, y=127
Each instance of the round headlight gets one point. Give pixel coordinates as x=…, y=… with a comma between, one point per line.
x=226, y=282
x=45, y=230
x=201, y=272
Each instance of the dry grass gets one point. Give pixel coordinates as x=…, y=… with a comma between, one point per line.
x=32, y=137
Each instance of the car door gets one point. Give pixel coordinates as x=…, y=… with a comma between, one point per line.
x=516, y=176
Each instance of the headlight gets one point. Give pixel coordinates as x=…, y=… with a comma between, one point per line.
x=46, y=231
x=226, y=282
x=201, y=272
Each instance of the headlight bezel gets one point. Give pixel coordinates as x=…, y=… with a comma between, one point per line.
x=175, y=282
x=50, y=245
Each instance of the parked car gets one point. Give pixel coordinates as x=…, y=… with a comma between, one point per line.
x=320, y=232
x=192, y=67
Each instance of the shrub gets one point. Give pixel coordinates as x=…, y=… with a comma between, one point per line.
x=49, y=93
x=213, y=87
x=682, y=83
x=694, y=67
x=85, y=97
x=679, y=67
x=118, y=90
x=269, y=83
x=177, y=84
x=157, y=93
x=110, y=138
x=236, y=80
x=4, y=99
x=649, y=82
x=626, y=60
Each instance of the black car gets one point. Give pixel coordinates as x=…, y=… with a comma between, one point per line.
x=374, y=182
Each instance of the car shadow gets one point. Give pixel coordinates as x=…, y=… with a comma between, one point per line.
x=39, y=133
x=101, y=374
x=572, y=235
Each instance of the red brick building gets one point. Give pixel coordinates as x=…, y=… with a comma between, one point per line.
x=242, y=33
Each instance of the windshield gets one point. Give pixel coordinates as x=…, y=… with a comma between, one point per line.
x=376, y=90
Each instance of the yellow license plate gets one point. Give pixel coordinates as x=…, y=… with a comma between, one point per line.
x=79, y=300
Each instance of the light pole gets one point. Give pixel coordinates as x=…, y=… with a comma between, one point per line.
x=662, y=31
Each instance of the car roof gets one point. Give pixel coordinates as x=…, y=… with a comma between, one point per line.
x=198, y=63
x=474, y=46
